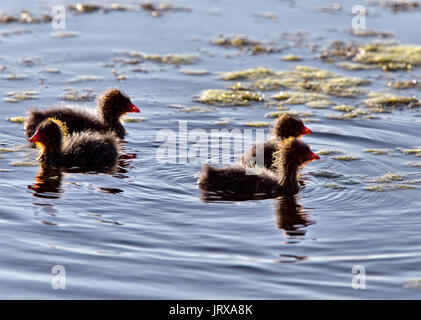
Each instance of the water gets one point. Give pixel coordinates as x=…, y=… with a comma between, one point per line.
x=145, y=232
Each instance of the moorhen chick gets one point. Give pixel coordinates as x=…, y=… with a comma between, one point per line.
x=88, y=150
x=112, y=104
x=238, y=179
x=285, y=126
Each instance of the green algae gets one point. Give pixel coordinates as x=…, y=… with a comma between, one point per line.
x=253, y=73
x=371, y=33
x=388, y=178
x=23, y=164
x=291, y=57
x=353, y=66
x=16, y=119
x=290, y=112
x=327, y=152
x=384, y=102
x=257, y=124
x=333, y=186
x=223, y=97
x=195, y=72
x=411, y=151
x=344, y=108
x=404, y=84
x=137, y=120
x=320, y=104
x=75, y=95
x=390, y=57
x=169, y=58
x=64, y=34
x=378, y=151
x=301, y=78
x=388, y=187
x=17, y=96
x=346, y=158
x=293, y=97
x=245, y=44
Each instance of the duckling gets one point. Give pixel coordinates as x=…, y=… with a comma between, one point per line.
x=285, y=126
x=112, y=104
x=88, y=150
x=238, y=179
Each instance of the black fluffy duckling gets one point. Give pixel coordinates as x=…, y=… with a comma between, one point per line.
x=285, y=126
x=241, y=180
x=112, y=104
x=88, y=150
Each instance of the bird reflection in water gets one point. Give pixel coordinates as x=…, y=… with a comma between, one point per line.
x=291, y=216
x=48, y=180
x=47, y=183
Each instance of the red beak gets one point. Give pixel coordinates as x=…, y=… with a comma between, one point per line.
x=306, y=130
x=37, y=137
x=313, y=156
x=133, y=108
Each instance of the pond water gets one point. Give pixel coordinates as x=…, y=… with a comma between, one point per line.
x=146, y=232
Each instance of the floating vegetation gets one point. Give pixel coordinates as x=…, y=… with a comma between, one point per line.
x=350, y=113
x=222, y=97
x=7, y=150
x=64, y=34
x=249, y=74
x=170, y=58
x=319, y=104
x=83, y=78
x=23, y=164
x=389, y=177
x=301, y=78
x=329, y=152
x=292, y=97
x=291, y=112
x=16, y=76
x=75, y=95
x=333, y=186
x=404, y=84
x=330, y=8
x=371, y=33
x=388, y=187
x=339, y=51
x=390, y=57
x=16, y=119
x=157, y=10
x=258, y=124
x=378, y=151
x=410, y=151
x=327, y=174
x=344, y=108
x=400, y=5
x=243, y=43
x=196, y=109
x=291, y=57
x=353, y=66
x=195, y=72
x=138, y=120
x=24, y=17
x=384, y=102
x=16, y=96
x=346, y=158
x=90, y=8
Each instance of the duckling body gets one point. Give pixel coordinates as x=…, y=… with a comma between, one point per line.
x=88, y=150
x=111, y=106
x=239, y=179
